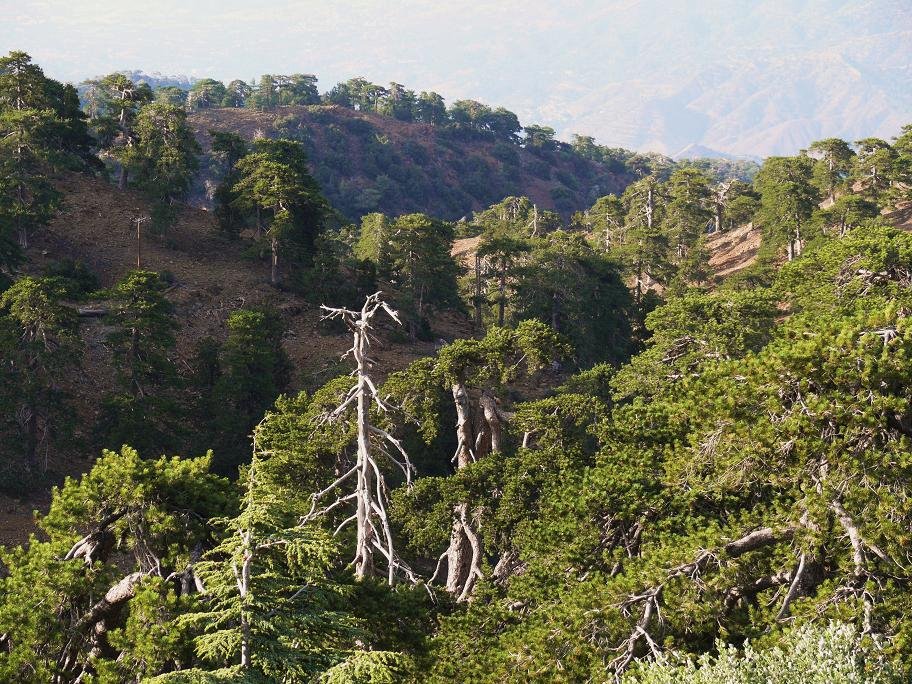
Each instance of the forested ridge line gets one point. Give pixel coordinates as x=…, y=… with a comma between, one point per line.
x=394, y=150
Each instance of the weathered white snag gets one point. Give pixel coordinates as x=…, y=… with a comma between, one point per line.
x=370, y=495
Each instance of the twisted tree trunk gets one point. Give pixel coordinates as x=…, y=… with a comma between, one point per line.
x=479, y=432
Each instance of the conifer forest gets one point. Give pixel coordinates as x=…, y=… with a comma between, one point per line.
x=358, y=385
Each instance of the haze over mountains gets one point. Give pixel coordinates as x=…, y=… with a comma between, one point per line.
x=745, y=77
x=752, y=78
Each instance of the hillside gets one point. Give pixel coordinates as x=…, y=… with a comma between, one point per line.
x=329, y=381
x=209, y=279
x=366, y=162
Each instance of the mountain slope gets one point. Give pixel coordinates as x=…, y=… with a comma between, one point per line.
x=366, y=162
x=209, y=279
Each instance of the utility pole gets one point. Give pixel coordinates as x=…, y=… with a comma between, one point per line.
x=139, y=221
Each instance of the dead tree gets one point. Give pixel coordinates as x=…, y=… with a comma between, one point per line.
x=370, y=496
x=719, y=202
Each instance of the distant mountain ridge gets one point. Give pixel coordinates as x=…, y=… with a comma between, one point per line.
x=746, y=78
x=770, y=79
x=158, y=80
x=698, y=151
x=741, y=77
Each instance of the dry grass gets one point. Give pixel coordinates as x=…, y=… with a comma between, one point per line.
x=211, y=278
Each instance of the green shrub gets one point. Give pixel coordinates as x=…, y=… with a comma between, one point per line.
x=836, y=654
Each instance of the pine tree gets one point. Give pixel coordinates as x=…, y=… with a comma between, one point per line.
x=787, y=201
x=275, y=180
x=253, y=371
x=144, y=412
x=578, y=291
x=420, y=265
x=128, y=530
x=687, y=217
x=164, y=158
x=476, y=372
x=40, y=346
x=267, y=604
x=874, y=166
x=121, y=100
x=230, y=148
x=833, y=167
x=645, y=252
x=30, y=149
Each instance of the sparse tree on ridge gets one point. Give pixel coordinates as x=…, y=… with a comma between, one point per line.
x=123, y=99
x=833, y=167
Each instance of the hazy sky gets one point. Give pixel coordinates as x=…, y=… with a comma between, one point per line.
x=239, y=38
x=651, y=73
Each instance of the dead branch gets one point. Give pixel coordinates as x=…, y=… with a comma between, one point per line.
x=97, y=544
x=370, y=494
x=794, y=587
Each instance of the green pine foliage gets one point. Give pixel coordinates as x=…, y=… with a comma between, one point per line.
x=39, y=343
x=130, y=524
x=42, y=132
x=273, y=184
x=268, y=606
x=163, y=158
x=251, y=369
x=145, y=409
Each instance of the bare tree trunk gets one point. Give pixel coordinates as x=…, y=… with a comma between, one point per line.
x=459, y=551
x=492, y=417
x=364, y=553
x=458, y=554
x=93, y=626
x=479, y=432
x=465, y=435
x=478, y=321
x=243, y=582
x=474, y=567
x=274, y=271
